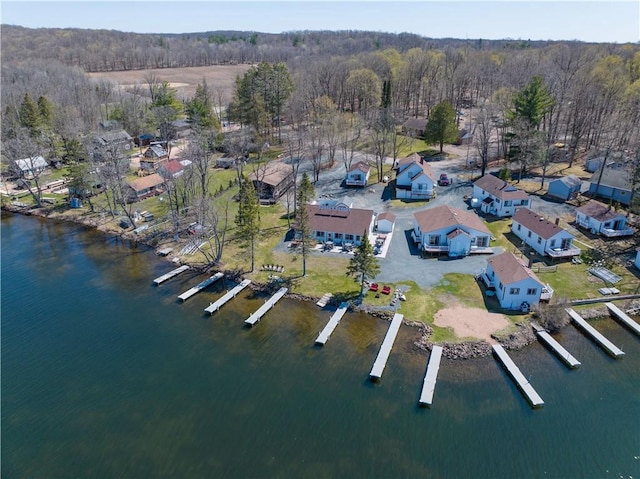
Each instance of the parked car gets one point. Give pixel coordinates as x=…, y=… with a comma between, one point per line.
x=444, y=180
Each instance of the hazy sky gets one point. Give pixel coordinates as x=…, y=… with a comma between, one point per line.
x=593, y=21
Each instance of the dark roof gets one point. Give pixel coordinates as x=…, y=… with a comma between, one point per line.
x=536, y=223
x=500, y=188
x=155, y=151
x=415, y=158
x=433, y=219
x=415, y=123
x=348, y=221
x=510, y=269
x=613, y=177
x=362, y=166
x=272, y=173
x=386, y=215
x=598, y=211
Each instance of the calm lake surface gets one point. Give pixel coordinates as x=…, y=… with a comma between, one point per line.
x=105, y=375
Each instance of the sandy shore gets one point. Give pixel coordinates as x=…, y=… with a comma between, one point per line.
x=471, y=322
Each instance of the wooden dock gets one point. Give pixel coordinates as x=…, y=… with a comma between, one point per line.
x=161, y=279
x=255, y=317
x=607, y=345
x=557, y=348
x=200, y=286
x=624, y=318
x=523, y=384
x=429, y=383
x=213, y=307
x=385, y=349
x=324, y=300
x=323, y=337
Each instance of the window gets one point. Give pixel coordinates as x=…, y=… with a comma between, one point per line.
x=514, y=291
x=529, y=234
x=552, y=244
x=320, y=233
x=500, y=285
x=507, y=203
x=539, y=240
x=519, y=227
x=338, y=235
x=532, y=291
x=434, y=240
x=348, y=237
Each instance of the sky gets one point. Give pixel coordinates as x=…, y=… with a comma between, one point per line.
x=585, y=20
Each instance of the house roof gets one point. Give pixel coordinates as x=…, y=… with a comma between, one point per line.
x=510, y=269
x=362, y=166
x=570, y=181
x=272, y=173
x=457, y=232
x=155, y=151
x=386, y=215
x=108, y=137
x=414, y=158
x=345, y=220
x=598, y=211
x=500, y=188
x=613, y=177
x=146, y=182
x=415, y=123
x=444, y=216
x=173, y=167
x=537, y=223
x=28, y=164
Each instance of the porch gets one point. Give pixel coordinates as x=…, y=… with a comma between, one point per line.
x=562, y=252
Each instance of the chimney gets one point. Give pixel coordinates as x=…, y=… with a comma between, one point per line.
x=530, y=261
x=557, y=221
x=421, y=160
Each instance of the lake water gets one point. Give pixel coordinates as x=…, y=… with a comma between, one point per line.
x=105, y=375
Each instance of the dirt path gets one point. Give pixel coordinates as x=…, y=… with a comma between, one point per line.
x=471, y=322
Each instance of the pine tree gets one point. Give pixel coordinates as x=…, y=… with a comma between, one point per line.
x=45, y=110
x=305, y=195
x=29, y=115
x=363, y=265
x=441, y=127
x=248, y=218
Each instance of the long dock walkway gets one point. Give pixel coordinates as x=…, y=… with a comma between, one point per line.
x=624, y=318
x=255, y=317
x=200, y=286
x=385, y=349
x=161, y=279
x=608, y=346
x=429, y=383
x=323, y=337
x=213, y=307
x=525, y=386
x=557, y=348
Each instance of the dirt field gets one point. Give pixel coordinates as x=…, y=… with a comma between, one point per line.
x=471, y=322
x=184, y=80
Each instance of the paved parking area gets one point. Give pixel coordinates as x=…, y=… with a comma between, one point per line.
x=402, y=261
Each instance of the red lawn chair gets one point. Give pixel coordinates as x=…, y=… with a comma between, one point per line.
x=386, y=290
x=373, y=287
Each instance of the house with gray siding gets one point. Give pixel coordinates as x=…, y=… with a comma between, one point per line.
x=614, y=185
x=543, y=236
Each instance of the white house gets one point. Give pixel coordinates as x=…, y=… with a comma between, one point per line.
x=385, y=222
x=338, y=223
x=358, y=174
x=545, y=237
x=515, y=285
x=445, y=229
x=499, y=198
x=29, y=166
x=414, y=179
x=602, y=219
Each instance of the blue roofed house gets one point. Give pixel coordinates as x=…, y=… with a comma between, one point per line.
x=543, y=236
x=516, y=286
x=445, y=229
x=499, y=198
x=414, y=179
x=565, y=188
x=615, y=184
x=602, y=219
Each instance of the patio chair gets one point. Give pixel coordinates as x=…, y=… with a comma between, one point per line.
x=386, y=290
x=373, y=287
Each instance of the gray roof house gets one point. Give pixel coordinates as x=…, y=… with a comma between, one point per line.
x=565, y=188
x=615, y=184
x=414, y=127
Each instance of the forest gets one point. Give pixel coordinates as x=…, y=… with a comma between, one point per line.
x=323, y=95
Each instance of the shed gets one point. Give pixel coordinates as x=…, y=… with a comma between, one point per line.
x=385, y=222
x=565, y=188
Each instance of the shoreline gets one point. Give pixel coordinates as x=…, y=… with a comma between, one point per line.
x=519, y=339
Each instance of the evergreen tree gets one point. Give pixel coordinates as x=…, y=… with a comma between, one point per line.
x=45, y=110
x=441, y=127
x=29, y=115
x=532, y=103
x=199, y=109
x=305, y=195
x=248, y=218
x=363, y=265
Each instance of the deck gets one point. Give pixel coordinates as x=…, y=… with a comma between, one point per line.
x=200, y=286
x=161, y=279
x=624, y=318
x=324, y=300
x=255, y=317
x=608, y=346
x=213, y=307
x=385, y=349
x=523, y=384
x=557, y=348
x=323, y=337
x=562, y=253
x=429, y=383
